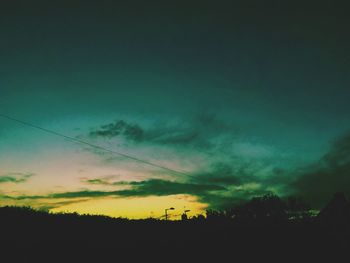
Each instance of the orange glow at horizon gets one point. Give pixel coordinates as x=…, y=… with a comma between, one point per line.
x=136, y=208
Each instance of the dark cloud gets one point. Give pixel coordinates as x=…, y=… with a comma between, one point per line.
x=278, y=179
x=131, y=132
x=198, y=132
x=240, y=185
x=105, y=181
x=238, y=174
x=82, y=194
x=162, y=187
x=219, y=187
x=153, y=187
x=221, y=174
x=15, y=177
x=68, y=195
x=22, y=197
x=331, y=174
x=339, y=154
x=231, y=198
x=243, y=182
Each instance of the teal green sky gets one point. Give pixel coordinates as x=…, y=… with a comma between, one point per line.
x=243, y=97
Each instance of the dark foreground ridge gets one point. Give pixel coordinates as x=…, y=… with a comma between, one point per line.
x=260, y=230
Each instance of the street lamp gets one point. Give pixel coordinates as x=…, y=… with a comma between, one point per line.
x=166, y=212
x=184, y=215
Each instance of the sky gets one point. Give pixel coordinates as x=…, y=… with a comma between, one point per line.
x=234, y=98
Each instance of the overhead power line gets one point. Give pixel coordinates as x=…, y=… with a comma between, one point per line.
x=127, y=156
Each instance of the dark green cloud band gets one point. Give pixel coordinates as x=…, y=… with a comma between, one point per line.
x=15, y=177
x=152, y=187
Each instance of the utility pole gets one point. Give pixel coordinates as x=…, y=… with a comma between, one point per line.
x=184, y=215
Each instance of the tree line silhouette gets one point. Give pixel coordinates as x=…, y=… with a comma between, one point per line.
x=265, y=226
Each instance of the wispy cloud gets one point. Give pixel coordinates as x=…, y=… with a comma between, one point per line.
x=104, y=181
x=15, y=177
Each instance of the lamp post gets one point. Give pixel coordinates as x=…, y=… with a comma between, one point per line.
x=166, y=212
x=184, y=215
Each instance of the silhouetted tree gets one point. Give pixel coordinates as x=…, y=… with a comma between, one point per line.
x=297, y=208
x=215, y=215
x=266, y=208
x=337, y=212
x=198, y=218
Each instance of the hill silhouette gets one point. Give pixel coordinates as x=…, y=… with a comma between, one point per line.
x=263, y=228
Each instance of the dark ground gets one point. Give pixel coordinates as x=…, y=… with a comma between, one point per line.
x=29, y=236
